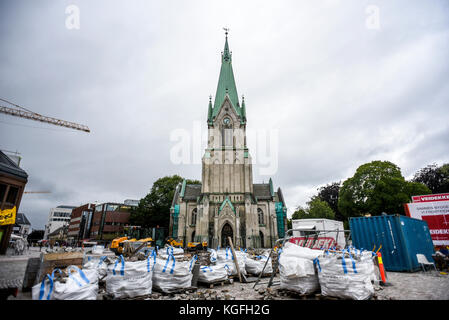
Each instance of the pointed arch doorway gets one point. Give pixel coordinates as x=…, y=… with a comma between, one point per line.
x=225, y=233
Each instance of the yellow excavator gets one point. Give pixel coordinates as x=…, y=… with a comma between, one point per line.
x=118, y=244
x=175, y=243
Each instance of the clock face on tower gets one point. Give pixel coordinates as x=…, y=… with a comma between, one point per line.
x=226, y=121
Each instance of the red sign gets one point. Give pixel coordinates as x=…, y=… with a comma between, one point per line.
x=436, y=214
x=438, y=227
x=431, y=197
x=312, y=243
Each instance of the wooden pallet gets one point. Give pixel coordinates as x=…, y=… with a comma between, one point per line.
x=302, y=296
x=175, y=291
x=215, y=283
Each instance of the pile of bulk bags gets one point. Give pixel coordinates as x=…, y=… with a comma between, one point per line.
x=346, y=274
x=170, y=275
x=297, y=270
x=126, y=279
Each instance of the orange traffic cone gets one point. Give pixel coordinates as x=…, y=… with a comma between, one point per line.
x=381, y=267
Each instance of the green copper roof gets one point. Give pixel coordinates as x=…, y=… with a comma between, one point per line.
x=226, y=85
x=224, y=203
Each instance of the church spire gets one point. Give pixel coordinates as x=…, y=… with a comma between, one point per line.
x=226, y=83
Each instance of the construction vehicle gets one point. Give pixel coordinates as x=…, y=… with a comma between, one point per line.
x=124, y=245
x=195, y=246
x=117, y=245
x=175, y=242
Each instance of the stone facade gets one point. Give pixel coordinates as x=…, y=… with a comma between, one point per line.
x=228, y=203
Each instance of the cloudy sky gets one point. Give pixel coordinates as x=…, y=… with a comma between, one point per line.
x=336, y=83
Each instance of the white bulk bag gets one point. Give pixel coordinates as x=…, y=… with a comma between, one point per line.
x=164, y=253
x=346, y=276
x=80, y=285
x=224, y=256
x=296, y=269
x=170, y=275
x=97, y=249
x=97, y=263
x=131, y=279
x=256, y=265
x=213, y=273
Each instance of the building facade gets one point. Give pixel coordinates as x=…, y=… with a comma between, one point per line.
x=227, y=203
x=80, y=223
x=109, y=220
x=58, y=217
x=12, y=184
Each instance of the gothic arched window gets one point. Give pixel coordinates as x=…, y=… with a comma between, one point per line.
x=260, y=215
x=194, y=214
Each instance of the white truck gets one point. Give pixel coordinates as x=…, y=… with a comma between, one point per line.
x=310, y=233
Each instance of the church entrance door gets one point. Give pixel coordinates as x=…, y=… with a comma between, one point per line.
x=225, y=233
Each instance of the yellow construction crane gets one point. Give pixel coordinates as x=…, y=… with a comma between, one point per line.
x=36, y=192
x=28, y=114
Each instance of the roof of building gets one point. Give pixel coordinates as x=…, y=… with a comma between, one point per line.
x=226, y=86
x=22, y=219
x=192, y=191
x=11, y=168
x=262, y=191
x=66, y=207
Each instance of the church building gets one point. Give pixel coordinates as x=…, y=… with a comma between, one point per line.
x=227, y=203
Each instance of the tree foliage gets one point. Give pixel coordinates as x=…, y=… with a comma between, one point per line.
x=434, y=177
x=377, y=187
x=330, y=194
x=154, y=209
x=316, y=208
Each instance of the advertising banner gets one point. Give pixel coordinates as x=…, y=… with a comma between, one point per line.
x=435, y=211
x=7, y=216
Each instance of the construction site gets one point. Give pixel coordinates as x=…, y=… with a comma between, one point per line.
x=375, y=235
x=297, y=268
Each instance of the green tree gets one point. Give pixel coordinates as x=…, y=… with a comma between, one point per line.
x=416, y=189
x=376, y=187
x=330, y=193
x=300, y=213
x=154, y=208
x=316, y=208
x=434, y=177
x=320, y=209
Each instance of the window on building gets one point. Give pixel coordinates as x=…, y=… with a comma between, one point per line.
x=2, y=191
x=112, y=207
x=99, y=208
x=194, y=214
x=260, y=215
x=12, y=195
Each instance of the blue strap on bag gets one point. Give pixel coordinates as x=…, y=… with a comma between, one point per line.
x=353, y=262
x=153, y=254
x=81, y=273
x=191, y=261
x=122, y=270
x=205, y=268
x=173, y=265
x=42, y=289
x=317, y=263
x=343, y=263
x=101, y=260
